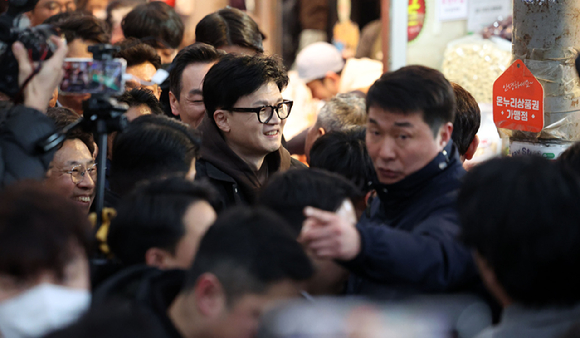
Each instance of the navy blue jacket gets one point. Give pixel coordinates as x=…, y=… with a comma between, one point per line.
x=409, y=236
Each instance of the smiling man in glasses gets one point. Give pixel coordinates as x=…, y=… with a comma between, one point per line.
x=242, y=134
x=73, y=171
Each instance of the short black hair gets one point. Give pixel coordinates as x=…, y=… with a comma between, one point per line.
x=248, y=249
x=137, y=97
x=415, y=89
x=288, y=193
x=37, y=228
x=571, y=157
x=345, y=153
x=236, y=76
x=62, y=118
x=151, y=146
x=230, y=27
x=76, y=25
x=521, y=215
x=152, y=216
x=156, y=24
x=137, y=52
x=467, y=119
x=195, y=53
x=112, y=319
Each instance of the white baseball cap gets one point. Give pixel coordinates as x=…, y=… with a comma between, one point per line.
x=317, y=59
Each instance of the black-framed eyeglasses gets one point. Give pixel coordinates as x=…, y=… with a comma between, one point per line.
x=265, y=113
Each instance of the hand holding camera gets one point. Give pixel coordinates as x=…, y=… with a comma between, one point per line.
x=38, y=91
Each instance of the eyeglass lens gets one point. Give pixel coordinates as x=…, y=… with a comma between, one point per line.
x=267, y=112
x=78, y=173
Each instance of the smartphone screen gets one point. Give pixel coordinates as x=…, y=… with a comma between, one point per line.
x=88, y=76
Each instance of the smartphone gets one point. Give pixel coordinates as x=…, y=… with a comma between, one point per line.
x=89, y=76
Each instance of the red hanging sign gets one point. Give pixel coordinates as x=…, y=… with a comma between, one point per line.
x=518, y=100
x=416, y=15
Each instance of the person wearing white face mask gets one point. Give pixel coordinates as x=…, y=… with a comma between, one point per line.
x=44, y=270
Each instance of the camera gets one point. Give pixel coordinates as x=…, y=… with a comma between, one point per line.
x=36, y=40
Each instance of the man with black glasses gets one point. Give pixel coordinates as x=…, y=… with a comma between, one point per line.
x=242, y=134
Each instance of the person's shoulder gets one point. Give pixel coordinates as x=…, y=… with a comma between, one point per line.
x=123, y=284
x=294, y=163
x=200, y=168
x=206, y=169
x=448, y=182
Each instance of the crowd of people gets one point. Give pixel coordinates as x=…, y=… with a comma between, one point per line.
x=213, y=227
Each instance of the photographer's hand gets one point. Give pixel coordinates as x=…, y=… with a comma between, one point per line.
x=40, y=88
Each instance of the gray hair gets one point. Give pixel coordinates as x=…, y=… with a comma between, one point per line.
x=343, y=112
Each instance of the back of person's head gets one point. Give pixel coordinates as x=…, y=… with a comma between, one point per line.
x=230, y=27
x=136, y=52
x=571, y=157
x=152, y=146
x=345, y=153
x=112, y=319
x=342, y=112
x=467, y=120
x=41, y=233
x=62, y=118
x=192, y=54
x=415, y=89
x=154, y=216
x=138, y=97
x=249, y=250
x=236, y=76
x=290, y=192
x=74, y=25
x=520, y=215
x=156, y=24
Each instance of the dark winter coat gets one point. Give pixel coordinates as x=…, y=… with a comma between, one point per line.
x=410, y=236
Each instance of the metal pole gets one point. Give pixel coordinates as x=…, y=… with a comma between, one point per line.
x=101, y=134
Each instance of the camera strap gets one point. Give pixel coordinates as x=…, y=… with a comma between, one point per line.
x=20, y=95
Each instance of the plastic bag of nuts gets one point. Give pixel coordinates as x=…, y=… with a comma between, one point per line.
x=475, y=63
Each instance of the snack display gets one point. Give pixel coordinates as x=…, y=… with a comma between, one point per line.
x=475, y=63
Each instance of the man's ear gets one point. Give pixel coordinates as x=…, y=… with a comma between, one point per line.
x=445, y=133
x=157, y=257
x=333, y=80
x=321, y=132
x=209, y=296
x=174, y=103
x=222, y=120
x=332, y=76
x=472, y=148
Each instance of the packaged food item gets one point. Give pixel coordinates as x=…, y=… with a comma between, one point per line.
x=475, y=63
